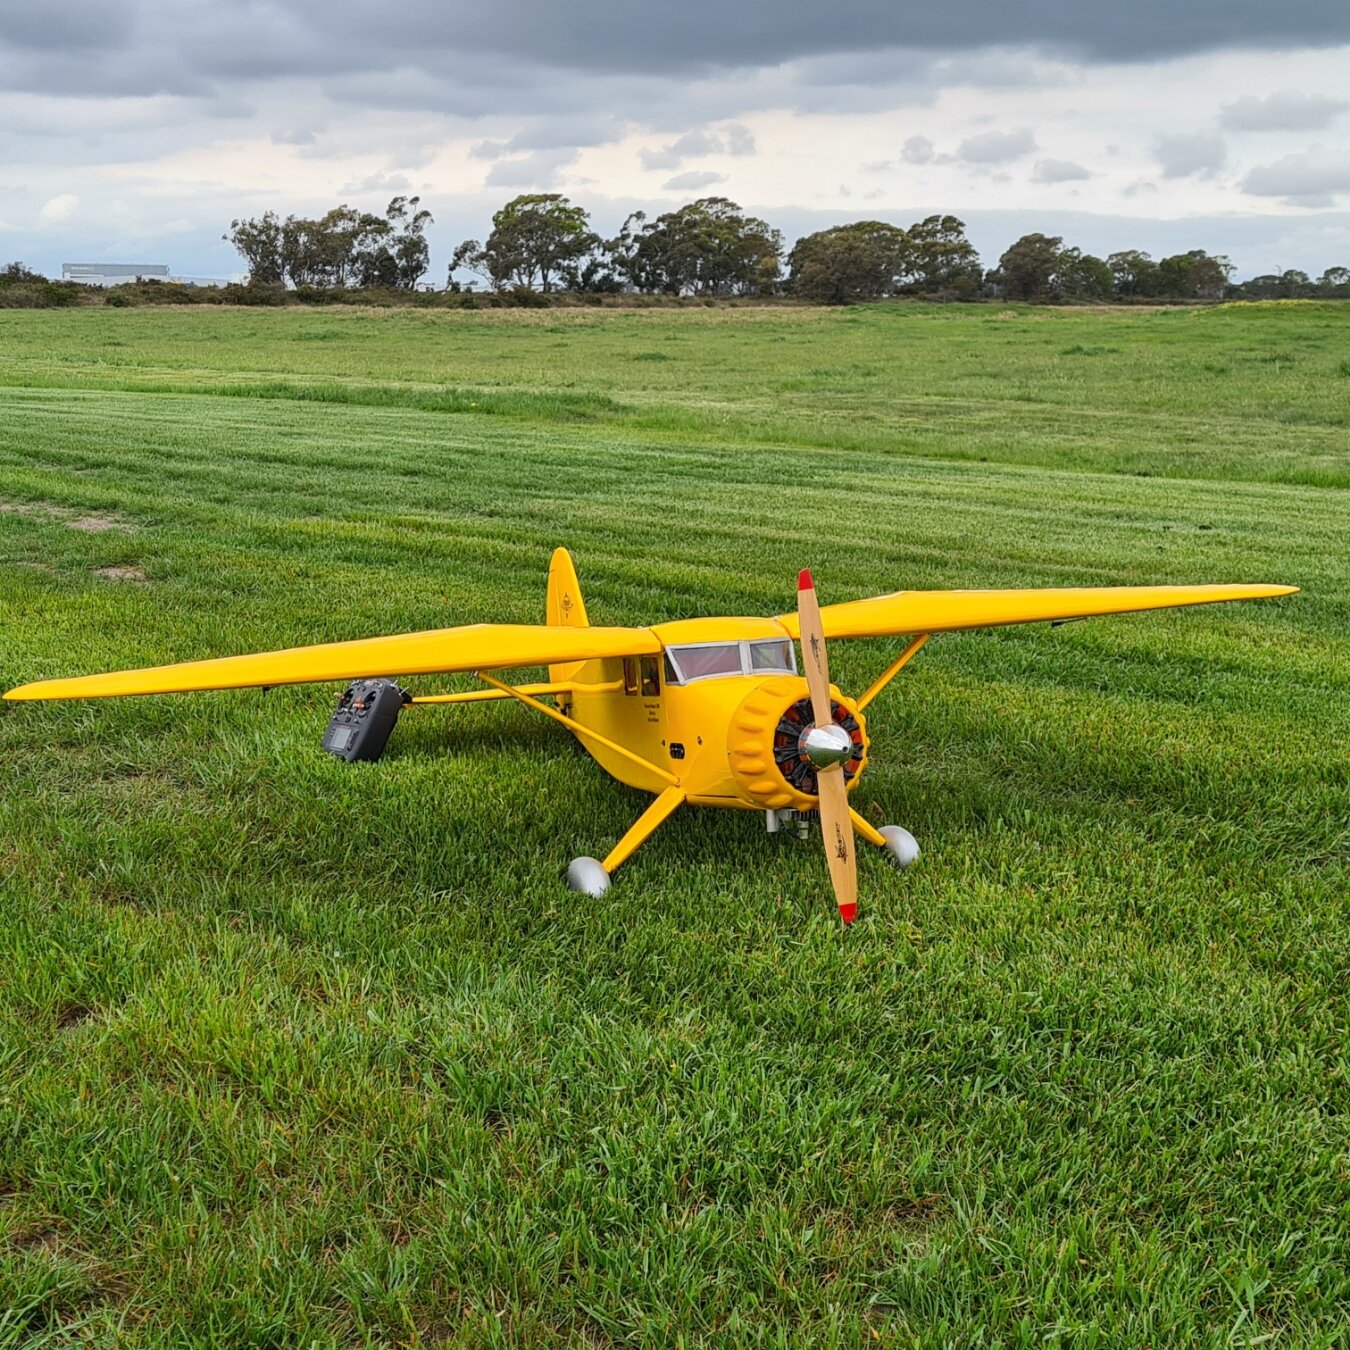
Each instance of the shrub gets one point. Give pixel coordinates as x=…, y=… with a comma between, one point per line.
x=251, y=294
x=525, y=298
x=16, y=273
x=41, y=294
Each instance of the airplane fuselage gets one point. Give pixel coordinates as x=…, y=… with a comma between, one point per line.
x=719, y=710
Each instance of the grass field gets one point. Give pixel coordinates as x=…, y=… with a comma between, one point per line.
x=300, y=1053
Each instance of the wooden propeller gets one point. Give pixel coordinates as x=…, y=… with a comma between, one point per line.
x=835, y=826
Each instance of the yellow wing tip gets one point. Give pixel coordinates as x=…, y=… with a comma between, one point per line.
x=27, y=693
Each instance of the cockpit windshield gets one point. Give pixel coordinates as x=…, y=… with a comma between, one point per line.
x=776, y=655
x=700, y=663
x=707, y=660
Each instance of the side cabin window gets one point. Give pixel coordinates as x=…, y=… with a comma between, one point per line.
x=650, y=673
x=642, y=675
x=707, y=660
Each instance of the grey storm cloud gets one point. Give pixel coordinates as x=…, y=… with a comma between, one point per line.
x=917, y=150
x=378, y=182
x=690, y=182
x=1304, y=179
x=78, y=25
x=737, y=140
x=996, y=147
x=1285, y=110
x=602, y=34
x=555, y=134
x=732, y=140
x=1190, y=155
x=1059, y=171
x=150, y=46
x=880, y=67
x=542, y=168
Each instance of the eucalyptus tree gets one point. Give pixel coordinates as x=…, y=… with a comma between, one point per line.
x=708, y=247
x=940, y=258
x=537, y=239
x=862, y=261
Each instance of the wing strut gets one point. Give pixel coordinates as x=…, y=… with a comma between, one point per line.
x=585, y=732
x=891, y=671
x=487, y=695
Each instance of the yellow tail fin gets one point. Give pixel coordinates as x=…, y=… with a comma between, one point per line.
x=564, y=608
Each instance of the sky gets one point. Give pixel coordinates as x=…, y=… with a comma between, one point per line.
x=136, y=130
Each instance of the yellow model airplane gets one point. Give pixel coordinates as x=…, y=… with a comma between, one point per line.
x=706, y=711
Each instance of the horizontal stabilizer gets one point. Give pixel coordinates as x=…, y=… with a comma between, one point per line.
x=908, y=612
x=485, y=646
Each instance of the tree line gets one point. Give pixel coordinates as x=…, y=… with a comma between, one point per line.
x=342, y=248
x=707, y=248
x=543, y=243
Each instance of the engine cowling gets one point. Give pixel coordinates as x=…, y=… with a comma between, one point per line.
x=763, y=743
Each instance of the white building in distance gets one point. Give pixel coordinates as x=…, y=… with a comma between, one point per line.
x=113, y=274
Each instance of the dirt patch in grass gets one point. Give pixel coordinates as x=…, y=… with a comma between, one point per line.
x=924, y=1209
x=36, y=1240
x=95, y=524
x=35, y=510
x=120, y=573
x=72, y=1015
x=71, y=518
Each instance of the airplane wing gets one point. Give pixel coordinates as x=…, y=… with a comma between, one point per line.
x=908, y=612
x=484, y=646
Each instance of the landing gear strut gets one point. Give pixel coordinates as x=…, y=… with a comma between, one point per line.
x=591, y=877
x=901, y=847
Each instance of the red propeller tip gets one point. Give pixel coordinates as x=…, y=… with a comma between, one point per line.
x=804, y=582
x=848, y=912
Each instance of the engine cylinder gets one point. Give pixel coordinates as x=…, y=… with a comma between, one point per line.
x=764, y=749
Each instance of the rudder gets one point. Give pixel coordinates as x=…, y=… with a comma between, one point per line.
x=564, y=607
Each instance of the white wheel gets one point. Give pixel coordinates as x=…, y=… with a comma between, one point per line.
x=901, y=847
x=588, y=876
